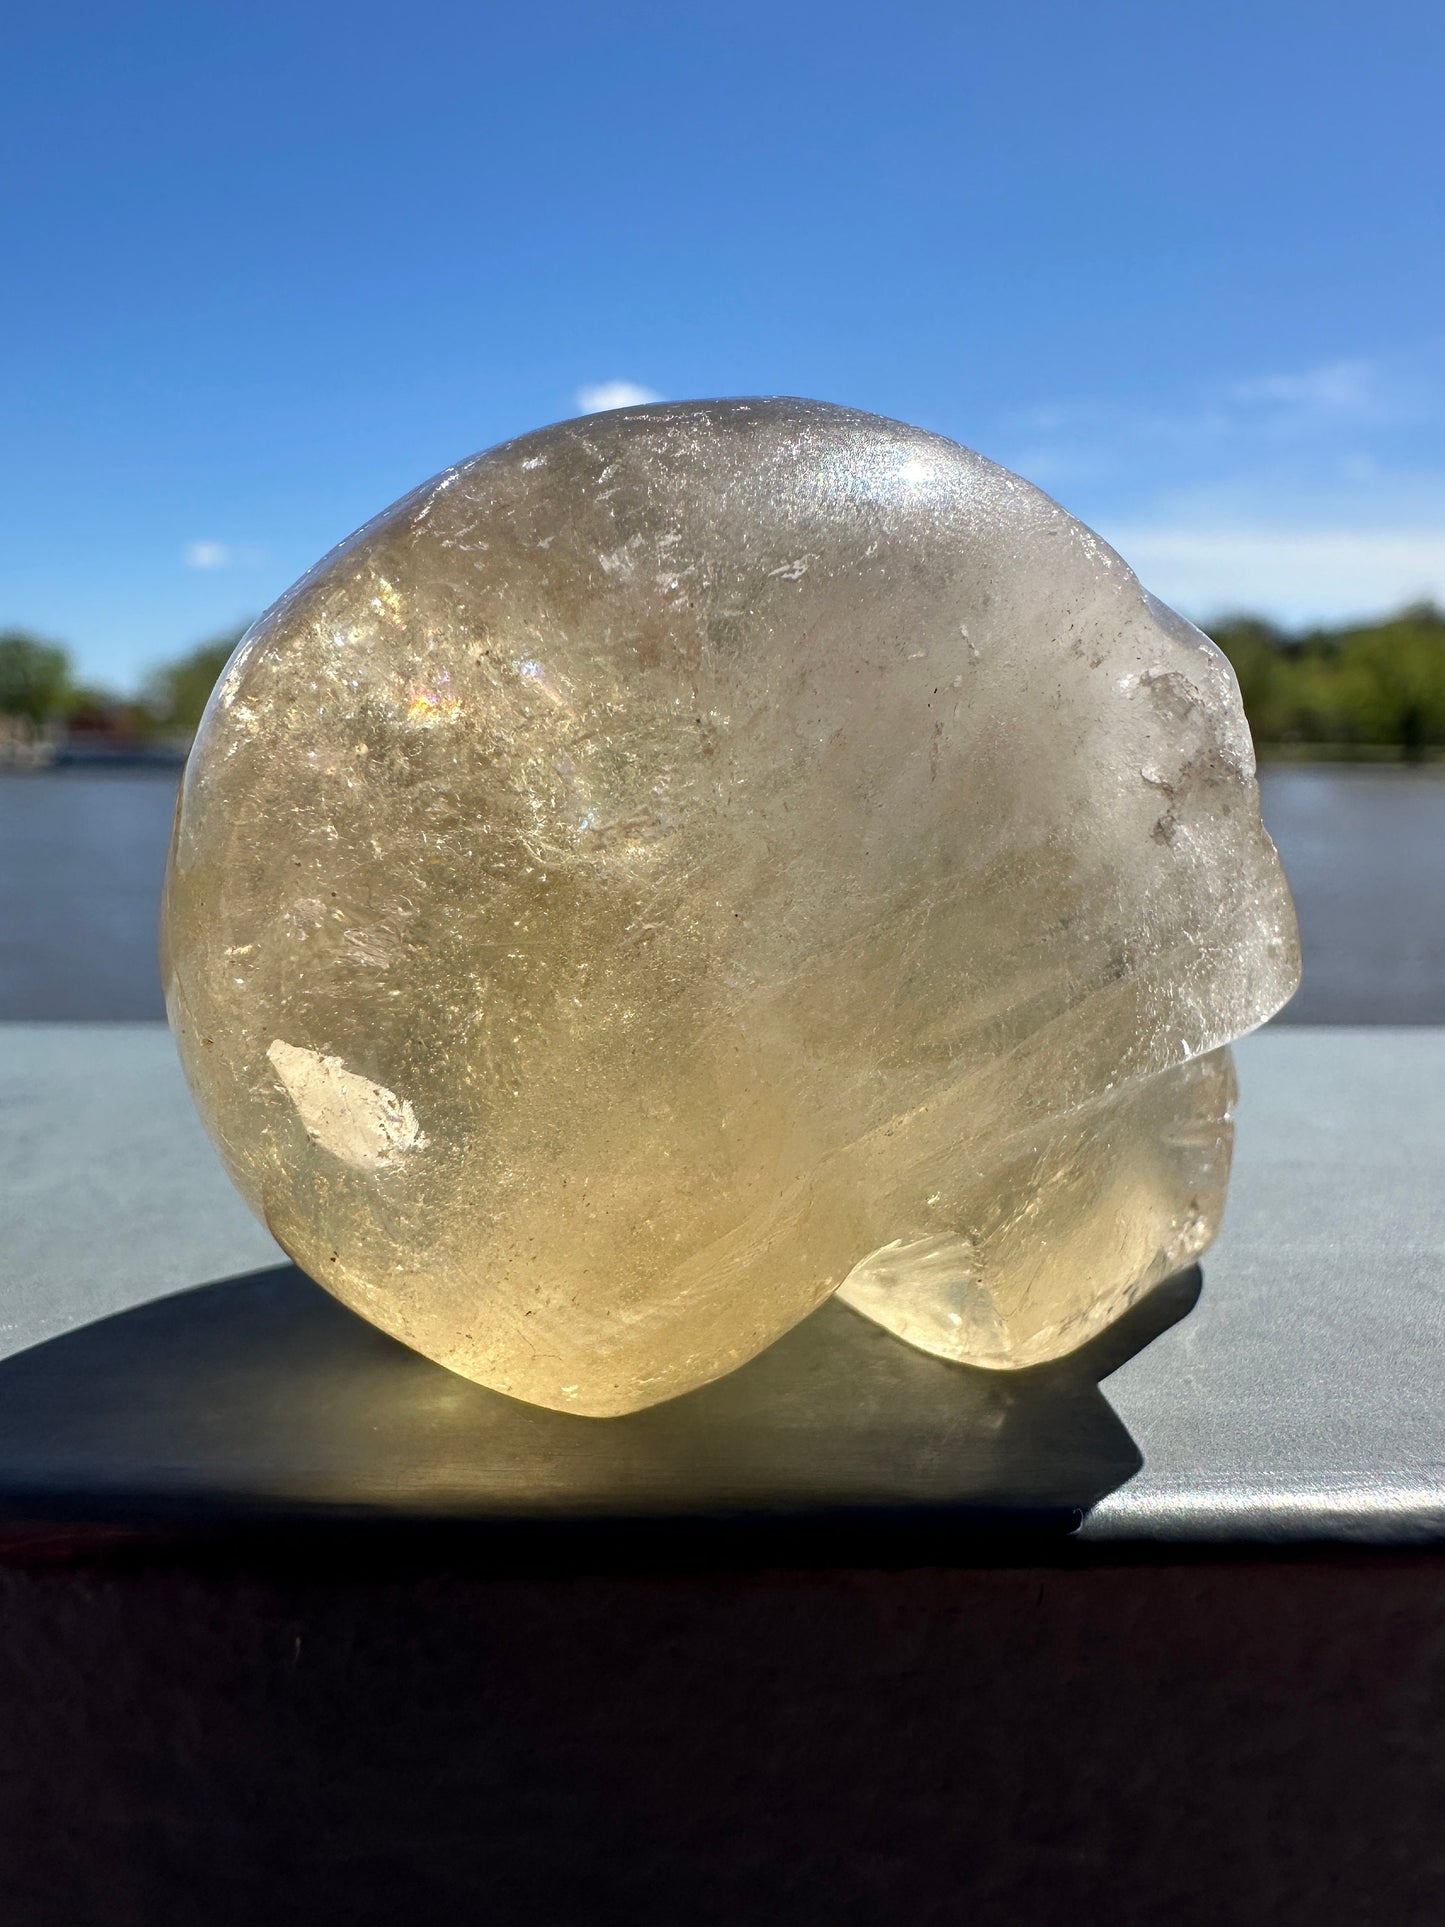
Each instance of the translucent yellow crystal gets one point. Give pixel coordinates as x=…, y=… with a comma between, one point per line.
x=694, y=856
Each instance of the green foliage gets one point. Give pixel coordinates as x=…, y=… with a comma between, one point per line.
x=34, y=676
x=177, y=694
x=1380, y=683
x=1393, y=680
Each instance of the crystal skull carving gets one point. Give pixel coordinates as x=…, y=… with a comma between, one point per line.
x=698, y=858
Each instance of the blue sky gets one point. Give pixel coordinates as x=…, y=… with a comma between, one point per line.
x=269, y=266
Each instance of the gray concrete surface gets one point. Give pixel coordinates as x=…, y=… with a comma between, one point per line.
x=1300, y=1398
x=110, y=1193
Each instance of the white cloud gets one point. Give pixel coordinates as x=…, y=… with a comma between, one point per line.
x=1310, y=494
x=1328, y=407
x=599, y=396
x=224, y=555
x=1293, y=574
x=1350, y=388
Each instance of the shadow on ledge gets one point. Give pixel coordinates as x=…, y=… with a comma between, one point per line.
x=261, y=1402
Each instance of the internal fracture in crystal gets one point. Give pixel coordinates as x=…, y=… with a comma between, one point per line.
x=699, y=857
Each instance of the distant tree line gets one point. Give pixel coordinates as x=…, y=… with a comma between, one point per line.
x=1352, y=688
x=176, y=693
x=1368, y=684
x=38, y=687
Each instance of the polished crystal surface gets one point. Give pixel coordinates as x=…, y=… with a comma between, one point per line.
x=695, y=856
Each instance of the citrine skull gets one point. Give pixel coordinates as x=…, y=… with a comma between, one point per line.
x=697, y=857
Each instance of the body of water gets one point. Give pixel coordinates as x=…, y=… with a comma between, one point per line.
x=1364, y=849
x=81, y=859
x=81, y=856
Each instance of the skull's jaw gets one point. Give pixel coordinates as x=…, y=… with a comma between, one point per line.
x=1066, y=1227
